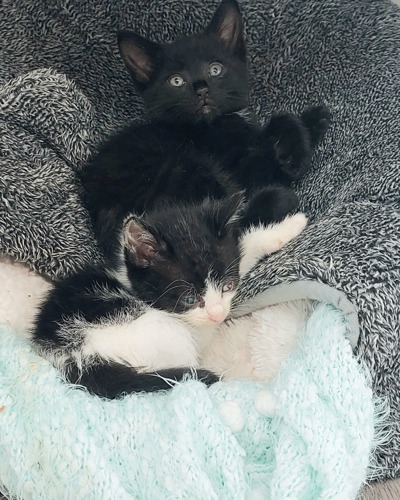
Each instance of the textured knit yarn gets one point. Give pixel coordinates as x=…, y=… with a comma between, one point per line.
x=60, y=443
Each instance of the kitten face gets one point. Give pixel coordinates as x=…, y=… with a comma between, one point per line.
x=186, y=259
x=196, y=78
x=215, y=303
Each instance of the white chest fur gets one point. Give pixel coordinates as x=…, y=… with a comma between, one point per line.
x=255, y=345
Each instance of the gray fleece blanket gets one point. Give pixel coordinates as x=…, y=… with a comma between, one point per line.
x=63, y=88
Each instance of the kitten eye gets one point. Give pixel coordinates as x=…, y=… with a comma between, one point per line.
x=191, y=300
x=228, y=287
x=215, y=69
x=176, y=81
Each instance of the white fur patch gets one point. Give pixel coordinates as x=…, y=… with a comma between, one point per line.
x=205, y=320
x=217, y=306
x=255, y=346
x=21, y=292
x=153, y=341
x=259, y=241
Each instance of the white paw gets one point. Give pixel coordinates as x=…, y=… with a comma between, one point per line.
x=153, y=341
x=297, y=223
x=259, y=241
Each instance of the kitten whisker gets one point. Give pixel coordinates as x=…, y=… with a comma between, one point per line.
x=168, y=289
x=178, y=299
x=177, y=280
x=234, y=262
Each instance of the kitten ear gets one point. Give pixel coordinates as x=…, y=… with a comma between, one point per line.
x=231, y=209
x=227, y=26
x=144, y=248
x=139, y=54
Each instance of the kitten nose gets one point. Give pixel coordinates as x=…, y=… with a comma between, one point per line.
x=202, y=92
x=201, y=88
x=216, y=313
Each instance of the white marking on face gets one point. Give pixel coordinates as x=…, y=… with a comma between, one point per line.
x=216, y=308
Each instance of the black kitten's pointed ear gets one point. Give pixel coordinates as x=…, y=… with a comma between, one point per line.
x=143, y=246
x=227, y=26
x=139, y=54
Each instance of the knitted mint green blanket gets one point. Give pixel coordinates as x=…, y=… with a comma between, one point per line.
x=311, y=439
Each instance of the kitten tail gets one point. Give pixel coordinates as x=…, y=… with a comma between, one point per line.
x=114, y=380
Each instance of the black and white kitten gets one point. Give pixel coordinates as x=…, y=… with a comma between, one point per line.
x=198, y=142
x=184, y=263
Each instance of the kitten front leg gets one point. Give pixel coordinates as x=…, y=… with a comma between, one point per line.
x=120, y=356
x=290, y=140
x=269, y=205
x=258, y=241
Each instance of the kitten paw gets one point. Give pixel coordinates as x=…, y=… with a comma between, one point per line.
x=290, y=141
x=281, y=233
x=269, y=205
x=259, y=241
x=295, y=225
x=317, y=119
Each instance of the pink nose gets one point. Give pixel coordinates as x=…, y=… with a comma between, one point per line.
x=216, y=313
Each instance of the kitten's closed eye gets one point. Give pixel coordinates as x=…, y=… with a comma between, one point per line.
x=228, y=287
x=191, y=300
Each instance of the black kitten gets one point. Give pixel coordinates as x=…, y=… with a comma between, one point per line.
x=198, y=142
x=184, y=262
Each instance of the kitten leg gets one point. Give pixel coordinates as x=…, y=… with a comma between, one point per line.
x=123, y=355
x=258, y=241
x=154, y=341
x=292, y=139
x=269, y=205
x=112, y=380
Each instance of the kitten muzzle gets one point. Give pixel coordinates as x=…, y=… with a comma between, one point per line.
x=206, y=107
x=216, y=313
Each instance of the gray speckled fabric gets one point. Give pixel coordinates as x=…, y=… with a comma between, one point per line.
x=63, y=88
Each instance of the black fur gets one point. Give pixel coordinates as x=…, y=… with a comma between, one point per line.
x=196, y=145
x=113, y=380
x=173, y=245
x=188, y=242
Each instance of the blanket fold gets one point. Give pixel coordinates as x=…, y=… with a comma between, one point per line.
x=308, y=435
x=46, y=133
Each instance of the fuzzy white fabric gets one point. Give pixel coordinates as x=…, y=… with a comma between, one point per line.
x=21, y=291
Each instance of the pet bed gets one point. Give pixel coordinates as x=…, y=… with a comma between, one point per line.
x=63, y=88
